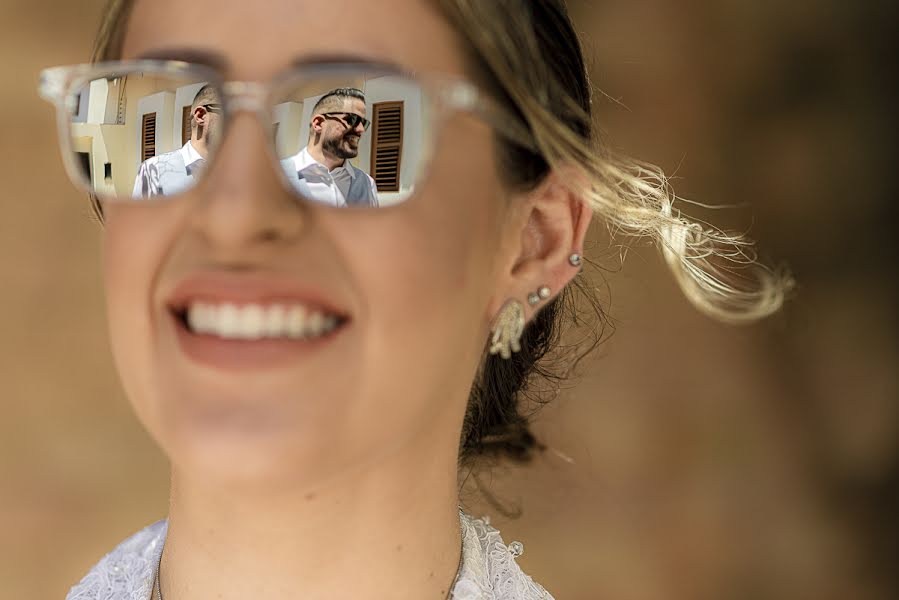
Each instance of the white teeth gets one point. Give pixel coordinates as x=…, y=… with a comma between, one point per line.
x=314, y=323
x=253, y=321
x=224, y=321
x=295, y=321
x=199, y=318
x=275, y=318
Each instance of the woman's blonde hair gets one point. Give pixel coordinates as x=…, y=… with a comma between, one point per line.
x=526, y=53
x=524, y=46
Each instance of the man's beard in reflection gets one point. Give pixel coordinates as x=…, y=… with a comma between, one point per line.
x=341, y=147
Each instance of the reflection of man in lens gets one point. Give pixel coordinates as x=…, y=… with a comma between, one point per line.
x=322, y=171
x=173, y=172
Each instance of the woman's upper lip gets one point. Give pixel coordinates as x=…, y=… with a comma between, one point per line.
x=248, y=288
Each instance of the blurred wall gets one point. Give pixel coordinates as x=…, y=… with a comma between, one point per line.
x=691, y=460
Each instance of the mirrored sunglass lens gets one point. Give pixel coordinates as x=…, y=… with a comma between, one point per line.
x=135, y=135
x=331, y=163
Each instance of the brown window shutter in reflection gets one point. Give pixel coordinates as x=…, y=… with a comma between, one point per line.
x=185, y=124
x=148, y=136
x=387, y=145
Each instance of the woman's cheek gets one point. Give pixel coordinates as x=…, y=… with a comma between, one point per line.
x=131, y=257
x=435, y=288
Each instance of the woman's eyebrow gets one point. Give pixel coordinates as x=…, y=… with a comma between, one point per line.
x=190, y=55
x=324, y=59
x=216, y=60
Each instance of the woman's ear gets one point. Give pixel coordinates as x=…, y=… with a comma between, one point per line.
x=551, y=229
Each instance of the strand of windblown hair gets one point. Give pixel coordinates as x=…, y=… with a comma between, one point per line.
x=633, y=198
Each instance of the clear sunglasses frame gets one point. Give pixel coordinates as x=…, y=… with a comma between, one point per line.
x=447, y=95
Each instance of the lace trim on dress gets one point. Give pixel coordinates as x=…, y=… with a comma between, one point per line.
x=488, y=571
x=126, y=573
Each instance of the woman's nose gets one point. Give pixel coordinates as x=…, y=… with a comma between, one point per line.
x=242, y=202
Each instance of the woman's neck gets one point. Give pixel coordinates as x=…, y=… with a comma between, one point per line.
x=388, y=531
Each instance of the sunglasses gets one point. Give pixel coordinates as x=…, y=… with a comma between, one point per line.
x=352, y=120
x=125, y=135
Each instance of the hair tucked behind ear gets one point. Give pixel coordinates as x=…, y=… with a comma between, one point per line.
x=527, y=53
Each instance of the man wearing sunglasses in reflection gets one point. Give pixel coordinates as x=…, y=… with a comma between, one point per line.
x=173, y=172
x=322, y=171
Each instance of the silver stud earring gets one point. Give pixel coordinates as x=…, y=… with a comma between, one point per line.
x=575, y=260
x=507, y=330
x=534, y=298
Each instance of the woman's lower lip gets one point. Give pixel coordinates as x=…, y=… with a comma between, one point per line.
x=233, y=355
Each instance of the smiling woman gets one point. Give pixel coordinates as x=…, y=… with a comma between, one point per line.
x=300, y=305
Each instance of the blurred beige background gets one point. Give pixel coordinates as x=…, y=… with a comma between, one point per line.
x=708, y=461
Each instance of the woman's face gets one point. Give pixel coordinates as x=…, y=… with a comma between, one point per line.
x=416, y=284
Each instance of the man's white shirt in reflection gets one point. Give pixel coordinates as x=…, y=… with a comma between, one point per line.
x=168, y=174
x=343, y=186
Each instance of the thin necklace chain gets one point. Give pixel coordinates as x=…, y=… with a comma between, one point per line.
x=449, y=592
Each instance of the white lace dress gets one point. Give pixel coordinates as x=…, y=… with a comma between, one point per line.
x=488, y=570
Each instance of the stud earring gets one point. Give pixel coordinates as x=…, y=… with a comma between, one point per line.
x=507, y=330
x=534, y=298
x=575, y=260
